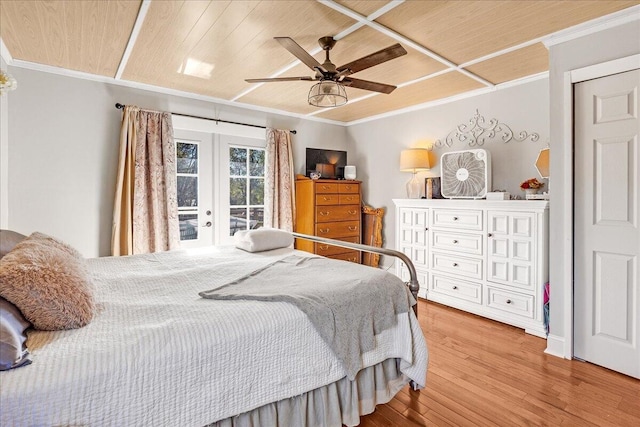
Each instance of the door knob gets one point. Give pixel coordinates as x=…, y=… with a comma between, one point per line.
x=208, y=213
x=207, y=224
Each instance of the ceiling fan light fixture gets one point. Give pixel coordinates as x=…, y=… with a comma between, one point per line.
x=327, y=93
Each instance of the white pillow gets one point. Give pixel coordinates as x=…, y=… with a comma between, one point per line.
x=262, y=239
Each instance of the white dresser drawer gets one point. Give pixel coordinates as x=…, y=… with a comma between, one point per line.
x=457, y=288
x=511, y=302
x=458, y=242
x=458, y=219
x=453, y=264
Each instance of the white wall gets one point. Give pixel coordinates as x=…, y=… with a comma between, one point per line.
x=64, y=137
x=607, y=45
x=377, y=144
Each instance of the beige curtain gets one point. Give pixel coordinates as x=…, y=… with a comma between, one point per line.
x=145, y=217
x=279, y=191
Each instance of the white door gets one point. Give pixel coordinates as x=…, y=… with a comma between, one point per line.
x=194, y=164
x=606, y=228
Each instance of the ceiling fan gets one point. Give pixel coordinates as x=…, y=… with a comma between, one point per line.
x=330, y=92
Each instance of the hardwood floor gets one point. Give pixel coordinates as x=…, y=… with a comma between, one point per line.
x=485, y=373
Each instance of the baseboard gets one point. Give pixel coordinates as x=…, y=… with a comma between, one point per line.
x=555, y=346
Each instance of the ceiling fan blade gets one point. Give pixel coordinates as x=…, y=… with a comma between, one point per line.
x=368, y=61
x=297, y=51
x=367, y=85
x=279, y=79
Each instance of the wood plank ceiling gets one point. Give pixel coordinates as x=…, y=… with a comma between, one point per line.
x=210, y=47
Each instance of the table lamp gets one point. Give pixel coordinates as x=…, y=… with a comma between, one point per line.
x=414, y=160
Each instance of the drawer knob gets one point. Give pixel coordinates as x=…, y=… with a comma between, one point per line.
x=508, y=301
x=490, y=235
x=455, y=242
x=348, y=187
x=455, y=218
x=455, y=287
x=325, y=187
x=353, y=228
x=324, y=213
x=455, y=264
x=324, y=247
x=323, y=231
x=326, y=198
x=353, y=212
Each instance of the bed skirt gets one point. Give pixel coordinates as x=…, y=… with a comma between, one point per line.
x=339, y=403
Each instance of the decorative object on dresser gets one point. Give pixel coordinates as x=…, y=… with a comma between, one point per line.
x=478, y=131
x=372, y=233
x=414, y=160
x=466, y=174
x=350, y=172
x=489, y=258
x=329, y=208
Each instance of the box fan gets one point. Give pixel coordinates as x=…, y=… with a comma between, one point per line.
x=465, y=174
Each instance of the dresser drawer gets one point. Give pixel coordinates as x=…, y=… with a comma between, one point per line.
x=338, y=213
x=457, y=288
x=349, y=199
x=348, y=188
x=338, y=229
x=351, y=256
x=458, y=242
x=327, y=199
x=511, y=302
x=458, y=219
x=326, y=249
x=327, y=187
x=453, y=264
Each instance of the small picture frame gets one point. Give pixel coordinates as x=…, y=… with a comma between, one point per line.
x=435, y=188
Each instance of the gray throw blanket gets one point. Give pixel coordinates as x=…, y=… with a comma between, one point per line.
x=347, y=303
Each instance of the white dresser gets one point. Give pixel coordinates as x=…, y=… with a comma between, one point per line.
x=489, y=258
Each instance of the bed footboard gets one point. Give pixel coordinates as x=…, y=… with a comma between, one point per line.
x=413, y=284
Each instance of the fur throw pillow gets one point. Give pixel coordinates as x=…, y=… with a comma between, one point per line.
x=48, y=283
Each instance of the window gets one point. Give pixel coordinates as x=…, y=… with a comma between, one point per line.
x=187, y=188
x=246, y=188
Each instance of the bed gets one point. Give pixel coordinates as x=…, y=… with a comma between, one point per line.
x=157, y=353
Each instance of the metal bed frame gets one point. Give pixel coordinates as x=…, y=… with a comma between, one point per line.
x=413, y=283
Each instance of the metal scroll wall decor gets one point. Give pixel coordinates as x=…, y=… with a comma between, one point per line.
x=478, y=131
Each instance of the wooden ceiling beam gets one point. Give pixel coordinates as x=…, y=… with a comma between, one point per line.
x=142, y=14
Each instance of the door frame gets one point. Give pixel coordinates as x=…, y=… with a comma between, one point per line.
x=563, y=346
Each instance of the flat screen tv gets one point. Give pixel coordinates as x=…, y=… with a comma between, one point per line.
x=330, y=163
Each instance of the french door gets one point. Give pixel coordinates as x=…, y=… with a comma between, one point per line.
x=220, y=182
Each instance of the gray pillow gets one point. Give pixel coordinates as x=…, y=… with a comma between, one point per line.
x=13, y=336
x=8, y=239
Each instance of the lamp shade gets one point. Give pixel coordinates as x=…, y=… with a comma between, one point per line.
x=327, y=93
x=414, y=160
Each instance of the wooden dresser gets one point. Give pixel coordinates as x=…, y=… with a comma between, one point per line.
x=329, y=208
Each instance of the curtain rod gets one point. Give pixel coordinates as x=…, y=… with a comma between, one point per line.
x=293, y=131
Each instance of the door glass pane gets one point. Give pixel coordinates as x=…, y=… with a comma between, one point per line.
x=257, y=191
x=237, y=191
x=187, y=191
x=188, y=226
x=237, y=220
x=256, y=162
x=187, y=158
x=237, y=161
x=257, y=217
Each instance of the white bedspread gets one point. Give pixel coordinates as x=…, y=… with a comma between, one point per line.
x=158, y=354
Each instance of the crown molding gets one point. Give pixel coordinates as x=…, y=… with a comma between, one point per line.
x=594, y=26
x=471, y=94
x=143, y=86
